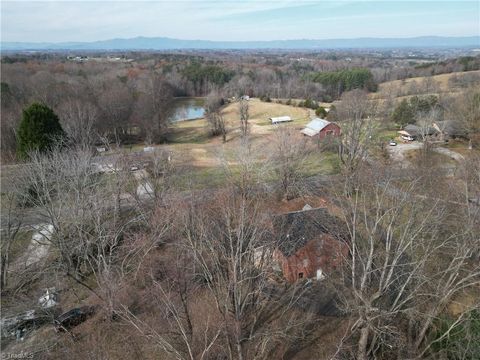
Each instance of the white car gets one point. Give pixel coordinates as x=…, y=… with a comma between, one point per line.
x=407, y=137
x=392, y=143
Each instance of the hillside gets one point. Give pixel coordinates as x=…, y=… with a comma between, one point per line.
x=443, y=83
x=163, y=43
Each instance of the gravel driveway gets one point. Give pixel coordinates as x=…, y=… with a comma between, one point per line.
x=397, y=153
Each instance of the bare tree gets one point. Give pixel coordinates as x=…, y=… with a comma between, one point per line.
x=79, y=119
x=467, y=110
x=13, y=215
x=425, y=123
x=248, y=176
x=404, y=266
x=116, y=103
x=233, y=257
x=156, y=181
x=214, y=115
x=244, y=116
x=154, y=107
x=356, y=114
x=68, y=191
x=289, y=154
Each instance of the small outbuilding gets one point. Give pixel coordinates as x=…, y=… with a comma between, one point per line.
x=280, y=119
x=321, y=128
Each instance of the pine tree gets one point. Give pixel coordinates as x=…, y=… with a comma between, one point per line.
x=39, y=129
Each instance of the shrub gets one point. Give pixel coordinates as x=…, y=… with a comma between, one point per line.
x=407, y=111
x=39, y=129
x=311, y=104
x=321, y=112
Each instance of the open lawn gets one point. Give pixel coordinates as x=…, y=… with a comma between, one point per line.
x=203, y=177
x=204, y=161
x=197, y=132
x=260, y=112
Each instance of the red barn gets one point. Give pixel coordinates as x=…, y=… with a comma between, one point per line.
x=311, y=243
x=321, y=128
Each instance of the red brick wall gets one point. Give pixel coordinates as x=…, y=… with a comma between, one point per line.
x=330, y=130
x=324, y=252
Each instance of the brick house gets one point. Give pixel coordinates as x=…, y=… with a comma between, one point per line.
x=311, y=243
x=321, y=128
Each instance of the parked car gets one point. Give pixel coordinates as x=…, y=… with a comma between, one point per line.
x=17, y=325
x=73, y=317
x=407, y=137
x=392, y=143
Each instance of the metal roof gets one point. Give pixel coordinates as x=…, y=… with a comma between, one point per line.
x=281, y=118
x=309, y=132
x=317, y=124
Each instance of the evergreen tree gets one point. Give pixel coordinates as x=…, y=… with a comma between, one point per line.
x=39, y=129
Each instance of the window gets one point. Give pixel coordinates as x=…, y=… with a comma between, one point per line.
x=320, y=274
x=300, y=275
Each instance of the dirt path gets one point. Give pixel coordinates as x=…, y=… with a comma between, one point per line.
x=452, y=154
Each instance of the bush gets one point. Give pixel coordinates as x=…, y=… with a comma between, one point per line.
x=321, y=112
x=39, y=129
x=332, y=114
x=311, y=104
x=406, y=112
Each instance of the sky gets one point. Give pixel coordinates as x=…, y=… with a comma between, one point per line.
x=89, y=20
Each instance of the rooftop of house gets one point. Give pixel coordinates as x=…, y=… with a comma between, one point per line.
x=415, y=130
x=295, y=229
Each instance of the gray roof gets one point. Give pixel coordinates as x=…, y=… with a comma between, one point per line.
x=295, y=229
x=415, y=130
x=317, y=124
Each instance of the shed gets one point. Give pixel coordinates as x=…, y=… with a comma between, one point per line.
x=280, y=119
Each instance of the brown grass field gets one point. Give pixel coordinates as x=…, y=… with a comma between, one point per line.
x=440, y=84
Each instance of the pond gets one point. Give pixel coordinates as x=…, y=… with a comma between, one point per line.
x=188, y=109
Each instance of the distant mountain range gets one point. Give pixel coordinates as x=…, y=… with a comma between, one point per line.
x=163, y=43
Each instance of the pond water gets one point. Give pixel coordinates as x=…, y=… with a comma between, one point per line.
x=188, y=109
